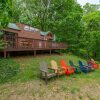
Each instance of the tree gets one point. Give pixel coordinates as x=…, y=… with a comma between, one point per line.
x=4, y=12
x=92, y=33
x=9, y=12
x=62, y=17
x=5, y=18
x=2, y=42
x=88, y=8
x=68, y=24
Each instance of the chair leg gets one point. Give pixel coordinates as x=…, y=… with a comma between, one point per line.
x=58, y=75
x=46, y=80
x=40, y=74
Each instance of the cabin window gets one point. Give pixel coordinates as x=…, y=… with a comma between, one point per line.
x=31, y=29
x=26, y=28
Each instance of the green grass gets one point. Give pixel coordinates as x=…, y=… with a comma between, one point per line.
x=8, y=69
x=30, y=67
x=27, y=84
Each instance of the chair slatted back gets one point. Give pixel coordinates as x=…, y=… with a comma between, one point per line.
x=43, y=66
x=71, y=63
x=80, y=63
x=63, y=64
x=54, y=64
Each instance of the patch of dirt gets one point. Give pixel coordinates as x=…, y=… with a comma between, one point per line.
x=38, y=90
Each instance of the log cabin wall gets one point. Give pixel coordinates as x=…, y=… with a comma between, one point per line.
x=28, y=34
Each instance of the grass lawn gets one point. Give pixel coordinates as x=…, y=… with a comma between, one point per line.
x=27, y=85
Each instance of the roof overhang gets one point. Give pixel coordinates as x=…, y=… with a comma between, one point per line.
x=13, y=26
x=45, y=33
x=11, y=30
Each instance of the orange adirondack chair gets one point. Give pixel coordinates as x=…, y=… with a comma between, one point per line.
x=58, y=70
x=68, y=69
x=93, y=64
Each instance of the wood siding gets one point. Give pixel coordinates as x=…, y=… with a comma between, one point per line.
x=22, y=44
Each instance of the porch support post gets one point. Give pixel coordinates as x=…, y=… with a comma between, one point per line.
x=34, y=52
x=50, y=52
x=5, y=54
x=8, y=54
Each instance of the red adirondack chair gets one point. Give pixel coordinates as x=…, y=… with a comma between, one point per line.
x=93, y=64
x=68, y=69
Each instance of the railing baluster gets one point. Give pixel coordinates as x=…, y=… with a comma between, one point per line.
x=29, y=43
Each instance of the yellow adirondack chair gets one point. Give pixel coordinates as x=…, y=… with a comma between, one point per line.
x=58, y=71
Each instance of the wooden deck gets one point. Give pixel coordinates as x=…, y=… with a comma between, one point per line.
x=29, y=44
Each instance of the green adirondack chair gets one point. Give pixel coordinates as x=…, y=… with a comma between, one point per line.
x=77, y=69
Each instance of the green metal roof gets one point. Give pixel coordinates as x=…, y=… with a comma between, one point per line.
x=44, y=33
x=13, y=26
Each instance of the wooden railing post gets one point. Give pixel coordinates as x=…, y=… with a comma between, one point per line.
x=29, y=43
x=5, y=54
x=34, y=52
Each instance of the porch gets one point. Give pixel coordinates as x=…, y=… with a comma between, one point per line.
x=28, y=44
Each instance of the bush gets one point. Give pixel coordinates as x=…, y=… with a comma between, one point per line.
x=82, y=53
x=8, y=69
x=3, y=44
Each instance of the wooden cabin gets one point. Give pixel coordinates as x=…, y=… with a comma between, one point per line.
x=22, y=37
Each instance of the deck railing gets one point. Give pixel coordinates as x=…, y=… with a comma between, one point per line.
x=29, y=43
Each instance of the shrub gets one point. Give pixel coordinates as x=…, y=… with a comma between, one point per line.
x=82, y=53
x=8, y=69
x=3, y=44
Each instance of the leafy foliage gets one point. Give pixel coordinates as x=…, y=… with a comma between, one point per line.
x=92, y=33
x=88, y=8
x=8, y=69
x=2, y=42
x=5, y=12
x=78, y=27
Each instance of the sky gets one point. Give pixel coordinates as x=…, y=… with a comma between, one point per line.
x=83, y=2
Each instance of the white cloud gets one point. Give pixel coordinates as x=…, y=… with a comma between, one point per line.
x=83, y=2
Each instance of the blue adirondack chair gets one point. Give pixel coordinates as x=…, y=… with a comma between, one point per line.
x=83, y=67
x=76, y=68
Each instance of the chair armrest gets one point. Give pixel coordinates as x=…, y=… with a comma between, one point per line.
x=51, y=68
x=70, y=68
x=59, y=68
x=43, y=71
x=85, y=67
x=78, y=67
